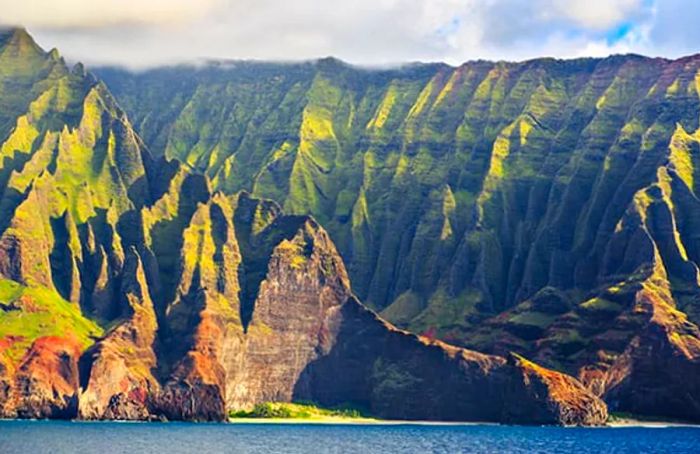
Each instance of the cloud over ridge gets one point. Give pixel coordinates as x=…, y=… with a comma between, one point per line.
x=147, y=32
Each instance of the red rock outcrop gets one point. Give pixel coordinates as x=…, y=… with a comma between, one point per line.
x=204, y=317
x=117, y=372
x=45, y=384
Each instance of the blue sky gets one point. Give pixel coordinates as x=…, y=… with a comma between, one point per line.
x=142, y=33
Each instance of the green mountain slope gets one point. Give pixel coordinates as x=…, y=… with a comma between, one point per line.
x=545, y=207
x=132, y=288
x=415, y=170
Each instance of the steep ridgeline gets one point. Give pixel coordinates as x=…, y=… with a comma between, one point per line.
x=546, y=207
x=130, y=289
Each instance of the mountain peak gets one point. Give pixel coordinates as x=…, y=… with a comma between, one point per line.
x=19, y=39
x=54, y=54
x=331, y=63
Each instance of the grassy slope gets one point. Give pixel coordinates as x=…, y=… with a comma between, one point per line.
x=27, y=313
x=69, y=166
x=299, y=411
x=457, y=195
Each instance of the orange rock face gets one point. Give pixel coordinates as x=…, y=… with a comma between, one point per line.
x=567, y=397
x=657, y=373
x=45, y=384
x=117, y=372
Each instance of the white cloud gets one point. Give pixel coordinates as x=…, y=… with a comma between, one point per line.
x=147, y=32
x=675, y=28
x=100, y=13
x=595, y=14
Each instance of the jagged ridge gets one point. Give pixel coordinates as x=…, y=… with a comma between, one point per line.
x=135, y=290
x=546, y=207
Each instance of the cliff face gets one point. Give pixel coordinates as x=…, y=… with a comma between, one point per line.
x=540, y=210
x=545, y=207
x=130, y=288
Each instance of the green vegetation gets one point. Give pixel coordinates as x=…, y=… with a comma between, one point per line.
x=298, y=410
x=27, y=313
x=537, y=319
x=600, y=305
x=456, y=194
x=621, y=417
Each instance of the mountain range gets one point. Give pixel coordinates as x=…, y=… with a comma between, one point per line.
x=510, y=242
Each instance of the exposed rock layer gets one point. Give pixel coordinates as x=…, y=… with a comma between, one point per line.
x=130, y=290
x=458, y=196
x=528, y=207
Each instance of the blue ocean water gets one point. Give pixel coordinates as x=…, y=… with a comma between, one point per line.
x=113, y=438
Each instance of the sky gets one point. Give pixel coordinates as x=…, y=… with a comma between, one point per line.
x=144, y=33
